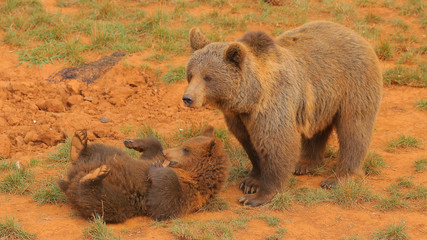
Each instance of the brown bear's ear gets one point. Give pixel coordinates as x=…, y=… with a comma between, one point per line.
x=235, y=54
x=212, y=144
x=197, y=39
x=208, y=131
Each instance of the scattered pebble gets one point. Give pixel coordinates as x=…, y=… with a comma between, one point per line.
x=105, y=120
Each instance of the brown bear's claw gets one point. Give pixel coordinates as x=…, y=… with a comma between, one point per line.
x=250, y=185
x=253, y=201
x=329, y=182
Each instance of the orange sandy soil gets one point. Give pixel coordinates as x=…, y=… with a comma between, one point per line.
x=35, y=115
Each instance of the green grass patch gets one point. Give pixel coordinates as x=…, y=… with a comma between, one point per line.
x=240, y=163
x=384, y=50
x=420, y=164
x=148, y=131
x=97, y=230
x=6, y=164
x=278, y=235
x=407, y=76
x=186, y=133
x=391, y=202
x=175, y=75
x=11, y=229
x=413, y=7
x=281, y=201
x=216, y=204
x=395, y=231
x=373, y=164
x=17, y=182
x=211, y=229
x=403, y=142
x=351, y=192
x=62, y=152
x=49, y=193
x=421, y=104
x=272, y=221
x=308, y=196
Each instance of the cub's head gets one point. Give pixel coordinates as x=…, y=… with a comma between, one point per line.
x=202, y=153
x=214, y=71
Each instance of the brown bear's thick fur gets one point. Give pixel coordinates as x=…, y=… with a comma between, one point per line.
x=282, y=97
x=104, y=180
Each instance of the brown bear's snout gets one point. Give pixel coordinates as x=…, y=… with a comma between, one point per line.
x=188, y=100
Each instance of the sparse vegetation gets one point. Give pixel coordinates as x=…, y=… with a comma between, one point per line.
x=420, y=164
x=216, y=204
x=11, y=229
x=403, y=142
x=421, y=104
x=281, y=201
x=175, y=75
x=18, y=181
x=395, y=231
x=373, y=163
x=384, y=50
x=49, y=193
x=97, y=230
x=351, y=192
x=62, y=153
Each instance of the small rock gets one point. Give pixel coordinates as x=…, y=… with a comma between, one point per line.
x=74, y=86
x=31, y=136
x=105, y=120
x=4, y=146
x=51, y=105
x=74, y=99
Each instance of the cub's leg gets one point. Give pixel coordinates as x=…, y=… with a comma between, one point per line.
x=312, y=151
x=96, y=175
x=151, y=147
x=354, y=134
x=251, y=183
x=78, y=144
x=165, y=195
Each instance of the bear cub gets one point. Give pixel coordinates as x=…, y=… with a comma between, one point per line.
x=104, y=180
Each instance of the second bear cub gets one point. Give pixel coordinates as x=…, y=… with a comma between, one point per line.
x=104, y=180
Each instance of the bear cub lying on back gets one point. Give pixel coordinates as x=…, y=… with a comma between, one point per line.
x=104, y=180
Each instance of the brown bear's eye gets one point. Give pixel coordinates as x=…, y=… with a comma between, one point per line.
x=186, y=150
x=189, y=76
x=207, y=79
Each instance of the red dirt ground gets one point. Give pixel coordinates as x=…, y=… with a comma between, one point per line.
x=35, y=115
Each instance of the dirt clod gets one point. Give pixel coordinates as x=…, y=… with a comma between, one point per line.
x=4, y=146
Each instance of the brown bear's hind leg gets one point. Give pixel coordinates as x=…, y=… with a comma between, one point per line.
x=96, y=175
x=312, y=151
x=354, y=136
x=78, y=143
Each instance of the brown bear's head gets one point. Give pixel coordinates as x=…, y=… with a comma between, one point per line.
x=216, y=73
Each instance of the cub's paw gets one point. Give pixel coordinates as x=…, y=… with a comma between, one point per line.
x=249, y=185
x=255, y=200
x=78, y=143
x=305, y=167
x=329, y=182
x=96, y=175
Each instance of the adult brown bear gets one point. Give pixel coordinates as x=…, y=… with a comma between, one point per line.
x=104, y=180
x=282, y=97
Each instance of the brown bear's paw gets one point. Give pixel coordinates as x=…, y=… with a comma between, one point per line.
x=250, y=185
x=96, y=175
x=305, y=167
x=329, y=182
x=255, y=200
x=78, y=143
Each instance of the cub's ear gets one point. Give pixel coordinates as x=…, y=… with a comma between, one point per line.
x=63, y=185
x=208, y=131
x=235, y=54
x=212, y=144
x=197, y=39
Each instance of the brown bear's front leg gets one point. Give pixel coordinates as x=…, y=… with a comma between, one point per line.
x=278, y=152
x=250, y=184
x=78, y=144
